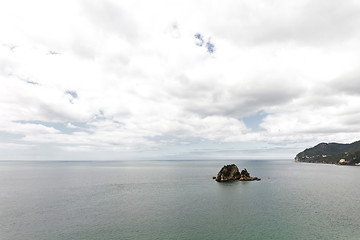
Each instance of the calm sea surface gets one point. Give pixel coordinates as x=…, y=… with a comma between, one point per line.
x=177, y=200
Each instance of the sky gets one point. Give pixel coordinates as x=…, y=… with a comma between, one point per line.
x=177, y=80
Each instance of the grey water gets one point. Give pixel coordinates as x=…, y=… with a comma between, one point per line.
x=177, y=200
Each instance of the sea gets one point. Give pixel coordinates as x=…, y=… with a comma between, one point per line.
x=165, y=200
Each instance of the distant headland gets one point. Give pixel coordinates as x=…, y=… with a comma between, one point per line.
x=332, y=153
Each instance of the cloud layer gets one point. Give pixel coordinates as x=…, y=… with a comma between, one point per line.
x=140, y=79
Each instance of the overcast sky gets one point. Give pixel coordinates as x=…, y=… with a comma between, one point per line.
x=241, y=79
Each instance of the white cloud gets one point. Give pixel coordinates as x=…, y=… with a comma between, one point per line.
x=14, y=146
x=131, y=73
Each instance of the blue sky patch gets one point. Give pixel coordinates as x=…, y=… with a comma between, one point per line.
x=255, y=120
x=200, y=39
x=32, y=82
x=210, y=47
x=72, y=93
x=53, y=52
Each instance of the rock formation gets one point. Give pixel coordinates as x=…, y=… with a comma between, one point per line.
x=245, y=176
x=228, y=173
x=231, y=173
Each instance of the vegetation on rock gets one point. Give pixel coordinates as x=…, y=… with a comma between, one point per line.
x=334, y=153
x=228, y=173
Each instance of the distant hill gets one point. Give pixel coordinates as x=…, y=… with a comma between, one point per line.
x=336, y=153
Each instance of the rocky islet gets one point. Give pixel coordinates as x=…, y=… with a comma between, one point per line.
x=231, y=173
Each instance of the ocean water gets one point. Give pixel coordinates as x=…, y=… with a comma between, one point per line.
x=177, y=200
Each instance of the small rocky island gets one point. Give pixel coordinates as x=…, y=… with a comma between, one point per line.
x=231, y=173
